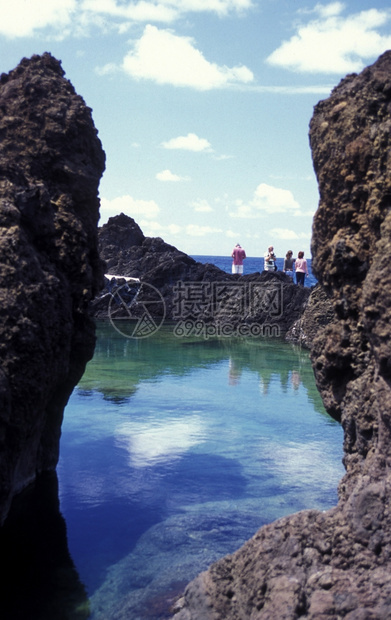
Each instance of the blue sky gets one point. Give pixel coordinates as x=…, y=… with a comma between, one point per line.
x=203, y=106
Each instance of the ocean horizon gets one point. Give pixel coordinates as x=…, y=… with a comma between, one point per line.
x=251, y=265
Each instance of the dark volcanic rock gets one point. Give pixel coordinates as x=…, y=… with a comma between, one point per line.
x=51, y=161
x=267, y=299
x=318, y=313
x=117, y=239
x=351, y=247
x=335, y=564
x=128, y=252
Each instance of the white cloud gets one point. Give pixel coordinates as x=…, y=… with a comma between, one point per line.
x=222, y=157
x=166, y=58
x=274, y=200
x=191, y=142
x=292, y=89
x=202, y=206
x=286, y=177
x=267, y=199
x=167, y=175
x=153, y=229
x=194, y=230
x=332, y=43
x=107, y=69
x=163, y=10
x=133, y=11
x=329, y=10
x=221, y=7
x=288, y=234
x=231, y=234
x=128, y=205
x=22, y=19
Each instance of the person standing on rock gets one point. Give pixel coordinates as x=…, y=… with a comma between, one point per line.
x=270, y=259
x=301, y=269
x=238, y=255
x=289, y=263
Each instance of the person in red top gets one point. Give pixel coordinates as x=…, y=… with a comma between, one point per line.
x=238, y=255
x=301, y=268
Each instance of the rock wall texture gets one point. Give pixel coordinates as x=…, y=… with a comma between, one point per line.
x=317, y=313
x=51, y=161
x=335, y=564
x=261, y=298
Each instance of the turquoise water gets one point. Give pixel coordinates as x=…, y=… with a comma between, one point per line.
x=175, y=451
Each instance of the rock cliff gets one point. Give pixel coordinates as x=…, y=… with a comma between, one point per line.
x=335, y=564
x=263, y=299
x=51, y=161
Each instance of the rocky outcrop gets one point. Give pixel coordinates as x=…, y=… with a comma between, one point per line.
x=195, y=291
x=335, y=564
x=351, y=244
x=51, y=161
x=317, y=314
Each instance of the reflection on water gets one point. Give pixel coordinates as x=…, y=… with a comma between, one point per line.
x=161, y=442
x=175, y=451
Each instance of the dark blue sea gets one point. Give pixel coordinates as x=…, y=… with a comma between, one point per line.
x=251, y=265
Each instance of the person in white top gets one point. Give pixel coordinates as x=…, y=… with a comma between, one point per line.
x=270, y=259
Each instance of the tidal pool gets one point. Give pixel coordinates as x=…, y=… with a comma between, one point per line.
x=174, y=451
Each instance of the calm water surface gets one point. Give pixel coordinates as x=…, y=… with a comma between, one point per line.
x=176, y=451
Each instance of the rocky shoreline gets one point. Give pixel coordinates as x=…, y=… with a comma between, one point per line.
x=335, y=564
x=193, y=291
x=311, y=565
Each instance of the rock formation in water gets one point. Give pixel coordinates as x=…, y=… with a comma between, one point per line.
x=51, y=161
x=213, y=296
x=335, y=564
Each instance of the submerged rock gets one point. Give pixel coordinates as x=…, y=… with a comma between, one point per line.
x=338, y=563
x=51, y=161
